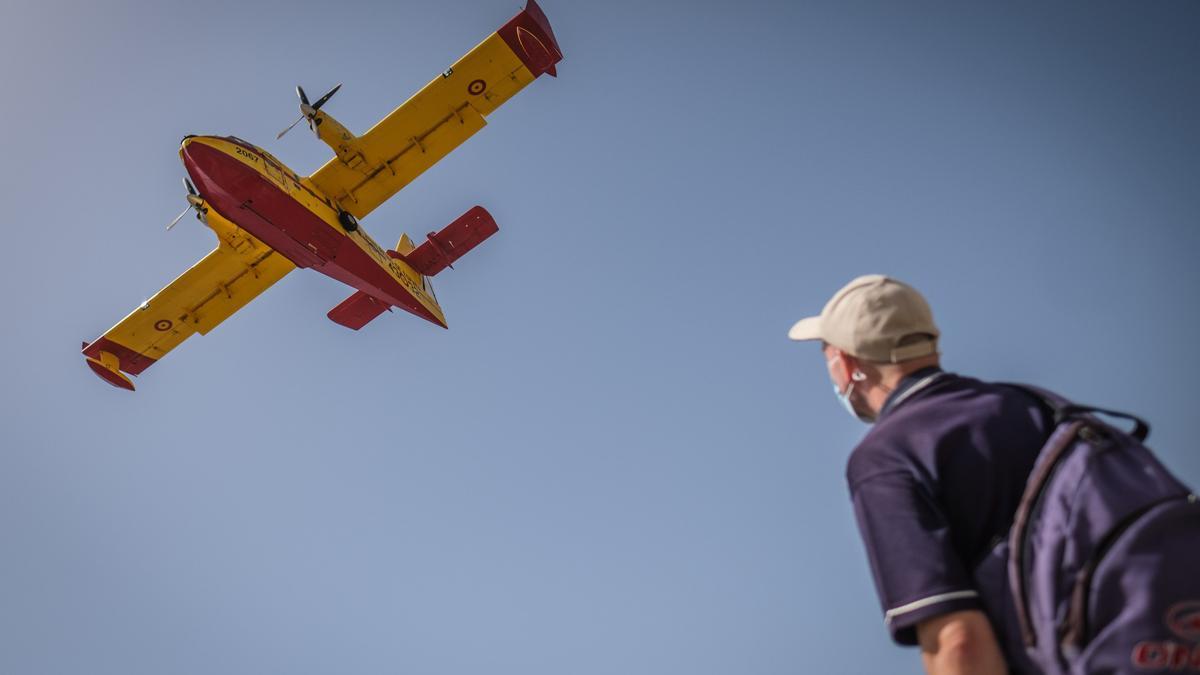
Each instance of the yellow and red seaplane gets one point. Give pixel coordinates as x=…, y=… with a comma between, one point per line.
x=269, y=220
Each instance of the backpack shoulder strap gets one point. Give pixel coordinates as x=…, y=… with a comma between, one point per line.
x=1065, y=410
x=1052, y=400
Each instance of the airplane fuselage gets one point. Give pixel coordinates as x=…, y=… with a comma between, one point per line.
x=261, y=195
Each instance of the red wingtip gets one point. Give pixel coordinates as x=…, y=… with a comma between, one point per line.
x=535, y=12
x=532, y=39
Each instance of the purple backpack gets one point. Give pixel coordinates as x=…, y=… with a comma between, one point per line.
x=1101, y=569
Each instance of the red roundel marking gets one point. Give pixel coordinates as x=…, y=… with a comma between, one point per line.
x=162, y=325
x=476, y=87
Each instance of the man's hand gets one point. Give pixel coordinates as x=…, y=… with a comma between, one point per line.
x=960, y=642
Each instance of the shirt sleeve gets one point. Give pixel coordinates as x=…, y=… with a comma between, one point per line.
x=918, y=575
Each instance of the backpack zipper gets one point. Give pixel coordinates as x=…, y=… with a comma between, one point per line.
x=1074, y=629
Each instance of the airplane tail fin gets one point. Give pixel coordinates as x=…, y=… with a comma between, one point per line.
x=362, y=308
x=439, y=251
x=403, y=248
x=405, y=245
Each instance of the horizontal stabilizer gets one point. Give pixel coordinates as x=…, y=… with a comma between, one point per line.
x=441, y=249
x=357, y=310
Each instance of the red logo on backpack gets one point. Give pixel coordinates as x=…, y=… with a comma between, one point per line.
x=1184, y=620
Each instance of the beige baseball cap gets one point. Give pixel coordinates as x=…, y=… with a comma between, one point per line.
x=876, y=318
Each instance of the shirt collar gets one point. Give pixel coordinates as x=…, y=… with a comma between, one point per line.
x=913, y=382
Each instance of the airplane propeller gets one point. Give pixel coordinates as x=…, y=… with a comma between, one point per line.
x=194, y=201
x=307, y=110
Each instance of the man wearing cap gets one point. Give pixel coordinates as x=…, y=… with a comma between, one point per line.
x=937, y=479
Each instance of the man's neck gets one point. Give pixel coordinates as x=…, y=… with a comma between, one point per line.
x=892, y=375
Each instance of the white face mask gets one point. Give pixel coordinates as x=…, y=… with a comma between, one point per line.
x=844, y=397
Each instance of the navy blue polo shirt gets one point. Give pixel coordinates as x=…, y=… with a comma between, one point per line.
x=934, y=483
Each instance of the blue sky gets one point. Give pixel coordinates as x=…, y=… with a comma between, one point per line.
x=614, y=460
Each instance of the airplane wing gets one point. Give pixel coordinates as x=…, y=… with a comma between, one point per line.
x=213, y=289
x=442, y=115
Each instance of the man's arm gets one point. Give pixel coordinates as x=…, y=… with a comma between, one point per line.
x=960, y=642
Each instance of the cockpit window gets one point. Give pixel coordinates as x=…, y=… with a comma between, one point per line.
x=244, y=143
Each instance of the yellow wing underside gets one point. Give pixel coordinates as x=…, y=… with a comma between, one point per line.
x=234, y=273
x=424, y=129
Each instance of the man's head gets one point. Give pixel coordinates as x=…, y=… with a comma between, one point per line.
x=873, y=332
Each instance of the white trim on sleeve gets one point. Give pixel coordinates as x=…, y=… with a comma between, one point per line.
x=925, y=602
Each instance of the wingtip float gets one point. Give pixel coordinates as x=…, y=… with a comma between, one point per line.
x=270, y=220
x=531, y=38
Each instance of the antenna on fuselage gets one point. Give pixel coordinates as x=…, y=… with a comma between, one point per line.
x=309, y=111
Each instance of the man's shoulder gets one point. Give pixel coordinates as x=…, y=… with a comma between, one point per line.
x=871, y=458
x=907, y=437
x=950, y=400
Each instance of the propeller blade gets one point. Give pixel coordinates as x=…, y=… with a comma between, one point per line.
x=179, y=217
x=289, y=128
x=190, y=188
x=300, y=93
x=328, y=95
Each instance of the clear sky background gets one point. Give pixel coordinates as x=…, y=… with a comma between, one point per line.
x=614, y=461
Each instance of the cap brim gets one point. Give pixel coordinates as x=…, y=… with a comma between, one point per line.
x=806, y=329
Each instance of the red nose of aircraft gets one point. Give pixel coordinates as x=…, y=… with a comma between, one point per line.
x=211, y=163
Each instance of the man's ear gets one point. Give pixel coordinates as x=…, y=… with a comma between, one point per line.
x=845, y=364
